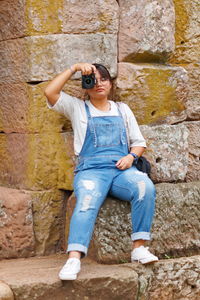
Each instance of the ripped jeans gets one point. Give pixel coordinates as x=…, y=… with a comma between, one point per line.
x=91, y=187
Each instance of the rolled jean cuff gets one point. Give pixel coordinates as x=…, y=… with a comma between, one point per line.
x=141, y=236
x=77, y=247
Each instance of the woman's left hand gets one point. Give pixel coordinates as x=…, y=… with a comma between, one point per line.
x=125, y=162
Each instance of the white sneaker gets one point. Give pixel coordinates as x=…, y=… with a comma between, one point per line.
x=143, y=255
x=70, y=270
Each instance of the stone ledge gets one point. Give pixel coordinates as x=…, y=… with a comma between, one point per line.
x=175, y=230
x=167, y=279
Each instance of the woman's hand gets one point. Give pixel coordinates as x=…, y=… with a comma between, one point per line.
x=85, y=68
x=125, y=162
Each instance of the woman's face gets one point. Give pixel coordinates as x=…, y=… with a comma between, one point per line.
x=101, y=89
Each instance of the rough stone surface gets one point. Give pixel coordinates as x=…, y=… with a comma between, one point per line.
x=167, y=151
x=48, y=220
x=89, y=17
x=16, y=222
x=23, y=109
x=30, y=17
x=42, y=283
x=193, y=99
x=12, y=21
x=156, y=93
x=173, y=279
x=39, y=58
x=187, y=31
x=175, y=230
x=193, y=173
x=5, y=292
x=21, y=18
x=43, y=17
x=167, y=279
x=146, y=31
x=37, y=161
x=14, y=63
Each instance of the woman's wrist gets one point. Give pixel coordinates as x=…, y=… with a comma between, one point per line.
x=73, y=69
x=129, y=155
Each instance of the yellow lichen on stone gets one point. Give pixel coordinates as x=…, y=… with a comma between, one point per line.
x=187, y=48
x=39, y=49
x=161, y=99
x=1, y=121
x=155, y=93
x=47, y=211
x=47, y=162
x=40, y=117
x=181, y=25
x=43, y=17
x=5, y=161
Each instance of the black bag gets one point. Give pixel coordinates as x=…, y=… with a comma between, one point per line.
x=142, y=164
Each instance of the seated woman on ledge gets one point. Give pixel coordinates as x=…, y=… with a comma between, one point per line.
x=106, y=148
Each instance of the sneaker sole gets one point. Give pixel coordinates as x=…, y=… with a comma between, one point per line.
x=145, y=260
x=68, y=277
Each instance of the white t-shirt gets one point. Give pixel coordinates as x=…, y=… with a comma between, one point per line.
x=74, y=109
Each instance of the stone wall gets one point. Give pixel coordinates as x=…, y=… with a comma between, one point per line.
x=152, y=50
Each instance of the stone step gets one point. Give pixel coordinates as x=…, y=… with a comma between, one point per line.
x=37, y=279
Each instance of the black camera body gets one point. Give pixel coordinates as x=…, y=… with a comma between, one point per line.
x=88, y=81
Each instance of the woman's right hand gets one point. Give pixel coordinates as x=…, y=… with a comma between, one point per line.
x=85, y=68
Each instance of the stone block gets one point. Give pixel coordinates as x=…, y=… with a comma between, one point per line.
x=30, y=17
x=39, y=58
x=155, y=93
x=175, y=229
x=95, y=281
x=193, y=99
x=37, y=161
x=48, y=220
x=167, y=151
x=146, y=31
x=23, y=109
x=193, y=173
x=16, y=222
x=12, y=21
x=187, y=31
x=167, y=279
x=5, y=292
x=90, y=16
x=14, y=61
x=170, y=279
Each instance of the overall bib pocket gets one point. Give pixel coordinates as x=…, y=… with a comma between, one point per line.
x=107, y=135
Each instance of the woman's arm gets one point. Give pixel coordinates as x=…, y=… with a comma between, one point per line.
x=53, y=89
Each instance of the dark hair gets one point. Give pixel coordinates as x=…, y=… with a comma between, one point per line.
x=103, y=71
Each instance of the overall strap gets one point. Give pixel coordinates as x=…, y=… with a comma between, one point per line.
x=91, y=124
x=87, y=111
x=121, y=110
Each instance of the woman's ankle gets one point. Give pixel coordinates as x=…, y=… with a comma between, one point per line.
x=75, y=254
x=138, y=243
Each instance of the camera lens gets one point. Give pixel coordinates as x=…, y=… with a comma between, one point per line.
x=88, y=80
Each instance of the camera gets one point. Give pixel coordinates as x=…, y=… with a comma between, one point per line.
x=88, y=81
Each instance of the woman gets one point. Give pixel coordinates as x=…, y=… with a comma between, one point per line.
x=106, y=148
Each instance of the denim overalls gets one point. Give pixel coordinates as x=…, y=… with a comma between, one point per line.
x=96, y=176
